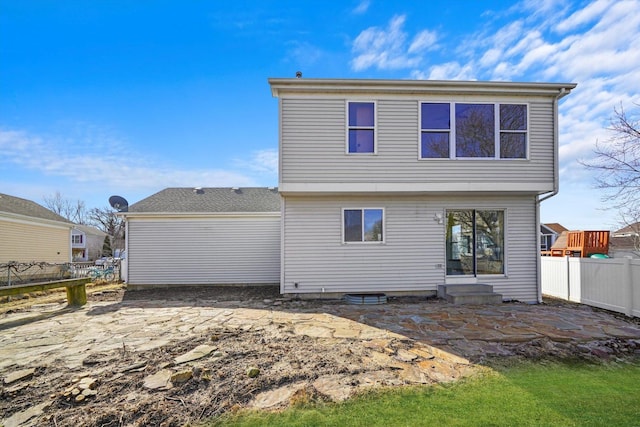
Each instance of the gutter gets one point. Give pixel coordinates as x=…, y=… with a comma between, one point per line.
x=25, y=219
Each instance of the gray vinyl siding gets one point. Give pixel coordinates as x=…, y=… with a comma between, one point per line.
x=188, y=251
x=412, y=257
x=313, y=146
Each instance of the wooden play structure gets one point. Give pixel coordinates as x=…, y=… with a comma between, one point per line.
x=580, y=244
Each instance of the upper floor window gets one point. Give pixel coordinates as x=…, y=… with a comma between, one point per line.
x=513, y=131
x=363, y=225
x=475, y=130
x=76, y=239
x=436, y=130
x=472, y=131
x=361, y=127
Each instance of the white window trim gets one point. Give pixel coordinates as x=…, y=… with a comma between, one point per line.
x=525, y=131
x=374, y=128
x=452, y=131
x=364, y=242
x=420, y=130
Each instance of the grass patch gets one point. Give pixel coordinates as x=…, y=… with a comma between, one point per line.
x=529, y=394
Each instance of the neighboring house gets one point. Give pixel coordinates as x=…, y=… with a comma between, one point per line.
x=398, y=185
x=549, y=233
x=625, y=242
x=86, y=242
x=193, y=236
x=30, y=232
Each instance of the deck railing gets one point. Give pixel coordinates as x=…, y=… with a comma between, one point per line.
x=580, y=243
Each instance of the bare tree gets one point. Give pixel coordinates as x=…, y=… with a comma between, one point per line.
x=74, y=211
x=106, y=220
x=617, y=163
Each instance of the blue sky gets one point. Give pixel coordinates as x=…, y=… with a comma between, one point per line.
x=118, y=97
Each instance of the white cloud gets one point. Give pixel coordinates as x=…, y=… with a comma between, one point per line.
x=548, y=8
x=262, y=161
x=583, y=16
x=93, y=164
x=425, y=40
x=362, y=7
x=490, y=57
x=304, y=54
x=447, y=71
x=388, y=49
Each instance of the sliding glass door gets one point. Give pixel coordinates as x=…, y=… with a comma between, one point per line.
x=475, y=242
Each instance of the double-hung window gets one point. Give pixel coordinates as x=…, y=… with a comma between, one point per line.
x=361, y=127
x=473, y=130
x=435, y=130
x=363, y=225
x=513, y=131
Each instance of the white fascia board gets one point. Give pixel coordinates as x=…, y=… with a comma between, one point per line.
x=132, y=215
x=418, y=187
x=24, y=219
x=406, y=87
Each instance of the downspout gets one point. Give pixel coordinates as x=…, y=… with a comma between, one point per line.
x=556, y=148
x=126, y=250
x=556, y=185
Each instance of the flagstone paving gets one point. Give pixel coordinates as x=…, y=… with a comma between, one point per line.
x=479, y=332
x=468, y=331
x=444, y=337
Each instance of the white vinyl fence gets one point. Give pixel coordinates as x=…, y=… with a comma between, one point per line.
x=612, y=284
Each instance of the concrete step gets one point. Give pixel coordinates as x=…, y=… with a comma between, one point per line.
x=443, y=290
x=479, y=297
x=476, y=293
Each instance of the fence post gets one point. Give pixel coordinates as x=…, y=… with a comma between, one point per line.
x=568, y=267
x=8, y=275
x=628, y=284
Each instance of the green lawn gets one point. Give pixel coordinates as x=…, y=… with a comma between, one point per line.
x=542, y=394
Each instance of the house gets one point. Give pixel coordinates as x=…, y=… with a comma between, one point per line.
x=549, y=233
x=30, y=232
x=86, y=242
x=625, y=242
x=398, y=186
x=195, y=236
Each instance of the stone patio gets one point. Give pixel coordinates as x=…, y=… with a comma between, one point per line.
x=439, y=341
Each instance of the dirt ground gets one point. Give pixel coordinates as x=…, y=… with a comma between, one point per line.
x=215, y=386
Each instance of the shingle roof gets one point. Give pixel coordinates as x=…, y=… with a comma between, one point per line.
x=622, y=243
x=90, y=230
x=631, y=228
x=204, y=200
x=18, y=206
x=557, y=228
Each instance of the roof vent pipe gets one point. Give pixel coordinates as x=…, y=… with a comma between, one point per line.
x=298, y=74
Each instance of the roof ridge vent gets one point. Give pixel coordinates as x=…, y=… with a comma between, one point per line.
x=198, y=190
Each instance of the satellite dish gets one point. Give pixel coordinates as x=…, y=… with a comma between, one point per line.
x=119, y=203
